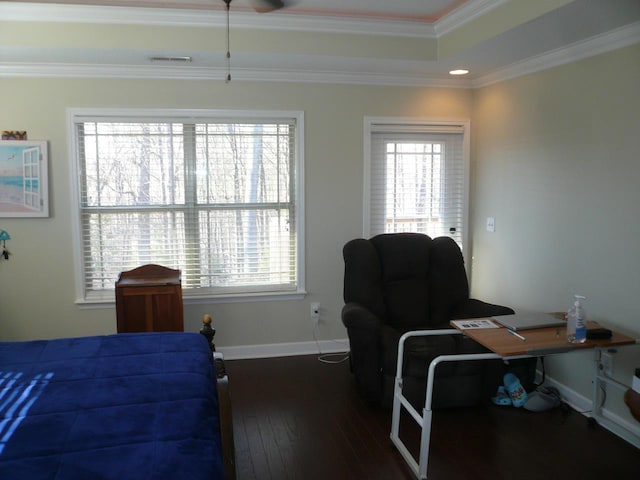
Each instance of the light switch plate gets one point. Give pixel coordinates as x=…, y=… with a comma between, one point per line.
x=491, y=224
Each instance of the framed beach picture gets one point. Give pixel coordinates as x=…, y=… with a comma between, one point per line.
x=23, y=179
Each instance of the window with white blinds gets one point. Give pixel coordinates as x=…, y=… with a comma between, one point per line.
x=216, y=195
x=417, y=177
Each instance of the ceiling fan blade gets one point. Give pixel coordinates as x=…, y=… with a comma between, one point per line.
x=265, y=6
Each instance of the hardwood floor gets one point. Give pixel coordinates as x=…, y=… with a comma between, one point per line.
x=298, y=418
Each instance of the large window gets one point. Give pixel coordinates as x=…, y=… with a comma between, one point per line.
x=416, y=177
x=214, y=194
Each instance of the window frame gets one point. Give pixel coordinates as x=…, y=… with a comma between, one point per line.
x=190, y=296
x=410, y=125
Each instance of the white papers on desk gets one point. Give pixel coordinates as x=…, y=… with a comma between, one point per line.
x=474, y=323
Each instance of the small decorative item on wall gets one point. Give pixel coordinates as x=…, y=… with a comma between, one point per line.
x=14, y=135
x=4, y=236
x=23, y=179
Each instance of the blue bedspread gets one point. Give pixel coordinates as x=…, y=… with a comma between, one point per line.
x=127, y=406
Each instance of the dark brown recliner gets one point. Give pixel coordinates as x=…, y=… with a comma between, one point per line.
x=397, y=282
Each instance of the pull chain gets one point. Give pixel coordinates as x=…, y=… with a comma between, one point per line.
x=228, y=2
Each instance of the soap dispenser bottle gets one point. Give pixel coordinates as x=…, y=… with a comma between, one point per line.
x=576, y=322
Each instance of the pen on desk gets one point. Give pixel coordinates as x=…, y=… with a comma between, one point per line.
x=516, y=335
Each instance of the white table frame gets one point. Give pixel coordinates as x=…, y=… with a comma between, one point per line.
x=420, y=467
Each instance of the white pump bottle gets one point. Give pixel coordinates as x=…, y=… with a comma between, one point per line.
x=576, y=322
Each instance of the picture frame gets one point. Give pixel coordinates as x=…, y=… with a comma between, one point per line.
x=24, y=178
x=14, y=135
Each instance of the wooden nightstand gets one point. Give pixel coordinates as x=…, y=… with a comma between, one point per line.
x=149, y=299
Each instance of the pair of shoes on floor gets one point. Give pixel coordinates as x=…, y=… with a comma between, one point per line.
x=543, y=399
x=511, y=393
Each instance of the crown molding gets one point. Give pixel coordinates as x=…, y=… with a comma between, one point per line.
x=465, y=14
x=45, y=12
x=619, y=38
x=68, y=13
x=155, y=72
x=77, y=70
x=606, y=42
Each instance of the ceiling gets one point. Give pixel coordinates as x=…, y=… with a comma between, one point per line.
x=377, y=42
x=426, y=11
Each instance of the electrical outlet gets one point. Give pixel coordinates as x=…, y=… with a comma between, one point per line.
x=606, y=363
x=315, y=312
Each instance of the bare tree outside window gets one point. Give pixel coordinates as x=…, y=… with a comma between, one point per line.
x=416, y=173
x=216, y=200
x=413, y=187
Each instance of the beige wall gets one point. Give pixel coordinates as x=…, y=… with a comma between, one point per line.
x=37, y=294
x=556, y=162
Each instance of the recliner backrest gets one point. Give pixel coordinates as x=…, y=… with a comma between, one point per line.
x=404, y=259
x=363, y=276
x=407, y=279
x=448, y=282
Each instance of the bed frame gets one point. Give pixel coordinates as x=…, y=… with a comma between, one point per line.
x=224, y=402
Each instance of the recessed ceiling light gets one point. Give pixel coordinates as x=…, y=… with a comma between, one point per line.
x=458, y=72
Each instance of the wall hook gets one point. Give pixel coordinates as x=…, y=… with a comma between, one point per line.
x=4, y=236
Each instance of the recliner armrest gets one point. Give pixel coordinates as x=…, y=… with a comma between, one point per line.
x=473, y=308
x=355, y=315
x=364, y=342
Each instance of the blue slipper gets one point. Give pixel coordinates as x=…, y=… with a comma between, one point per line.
x=502, y=397
x=516, y=391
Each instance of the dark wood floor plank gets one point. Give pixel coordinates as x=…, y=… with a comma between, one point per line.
x=297, y=418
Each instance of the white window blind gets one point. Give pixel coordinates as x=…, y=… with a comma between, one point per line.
x=417, y=179
x=214, y=197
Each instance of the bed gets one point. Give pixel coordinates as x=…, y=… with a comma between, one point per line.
x=141, y=405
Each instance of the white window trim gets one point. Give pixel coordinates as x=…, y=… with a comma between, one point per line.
x=132, y=114
x=406, y=124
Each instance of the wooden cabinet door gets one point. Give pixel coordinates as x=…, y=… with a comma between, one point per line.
x=149, y=299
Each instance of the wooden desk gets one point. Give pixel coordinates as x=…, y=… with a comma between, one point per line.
x=503, y=345
x=538, y=341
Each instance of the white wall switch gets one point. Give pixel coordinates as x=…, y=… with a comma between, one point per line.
x=491, y=224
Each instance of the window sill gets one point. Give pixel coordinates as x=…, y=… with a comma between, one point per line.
x=191, y=299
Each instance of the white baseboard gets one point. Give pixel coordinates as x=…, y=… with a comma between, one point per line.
x=285, y=349
x=584, y=405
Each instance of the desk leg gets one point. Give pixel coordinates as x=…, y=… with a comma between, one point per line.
x=425, y=442
x=596, y=385
x=600, y=379
x=424, y=421
x=395, y=414
x=399, y=402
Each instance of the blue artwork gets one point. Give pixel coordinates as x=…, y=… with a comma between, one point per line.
x=23, y=177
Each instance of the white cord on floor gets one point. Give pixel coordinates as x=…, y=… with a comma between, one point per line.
x=327, y=357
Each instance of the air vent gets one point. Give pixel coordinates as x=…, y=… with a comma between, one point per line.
x=171, y=59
